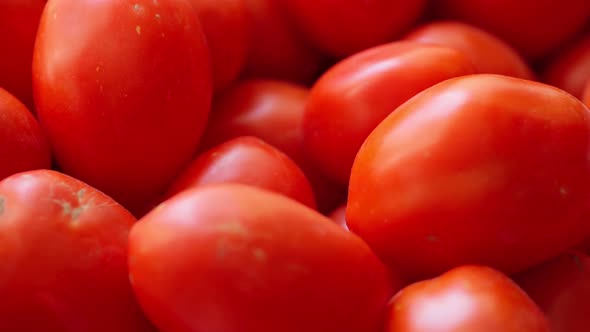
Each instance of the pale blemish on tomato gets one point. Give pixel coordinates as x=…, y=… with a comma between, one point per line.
x=2, y=202
x=563, y=191
x=432, y=238
x=157, y=16
x=259, y=254
x=138, y=29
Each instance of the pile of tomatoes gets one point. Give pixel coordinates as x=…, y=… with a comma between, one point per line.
x=295, y=165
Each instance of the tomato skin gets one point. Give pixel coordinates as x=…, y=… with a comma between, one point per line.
x=225, y=24
x=18, y=22
x=64, y=254
x=272, y=111
x=344, y=27
x=127, y=116
x=351, y=98
x=339, y=216
x=23, y=146
x=534, y=27
x=561, y=288
x=501, y=178
x=489, y=54
x=252, y=260
x=276, y=52
x=571, y=69
x=250, y=161
x=467, y=298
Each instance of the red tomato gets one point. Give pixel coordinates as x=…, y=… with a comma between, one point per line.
x=468, y=298
x=225, y=23
x=571, y=69
x=586, y=94
x=339, y=216
x=345, y=27
x=250, y=260
x=19, y=20
x=534, y=27
x=561, y=287
x=489, y=54
x=23, y=146
x=272, y=111
x=64, y=257
x=124, y=116
x=481, y=169
x=275, y=50
x=250, y=161
x=352, y=97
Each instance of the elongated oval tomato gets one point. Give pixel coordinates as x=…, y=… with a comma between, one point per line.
x=23, y=146
x=561, y=287
x=482, y=169
x=351, y=98
x=226, y=26
x=345, y=27
x=467, y=298
x=64, y=257
x=489, y=54
x=250, y=161
x=571, y=69
x=271, y=110
x=250, y=260
x=126, y=115
x=534, y=27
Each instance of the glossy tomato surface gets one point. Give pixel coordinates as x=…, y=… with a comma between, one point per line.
x=570, y=70
x=231, y=258
x=247, y=160
x=467, y=298
x=124, y=117
x=482, y=169
x=351, y=98
x=64, y=257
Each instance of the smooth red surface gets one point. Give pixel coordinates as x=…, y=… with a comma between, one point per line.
x=23, y=146
x=249, y=161
x=339, y=216
x=125, y=115
x=561, y=287
x=468, y=298
x=231, y=258
x=64, y=257
x=354, y=96
x=570, y=70
x=481, y=169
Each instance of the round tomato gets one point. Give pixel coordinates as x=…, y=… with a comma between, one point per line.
x=124, y=116
x=481, y=169
x=352, y=97
x=489, y=54
x=250, y=161
x=561, y=287
x=225, y=23
x=571, y=69
x=23, y=146
x=467, y=298
x=534, y=27
x=276, y=52
x=342, y=28
x=272, y=111
x=19, y=20
x=250, y=260
x=64, y=257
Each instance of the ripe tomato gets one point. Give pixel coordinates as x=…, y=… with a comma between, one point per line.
x=226, y=24
x=19, y=20
x=481, y=169
x=124, y=116
x=64, y=257
x=23, y=146
x=571, y=69
x=468, y=298
x=250, y=161
x=272, y=111
x=586, y=94
x=276, y=52
x=352, y=97
x=342, y=28
x=561, y=287
x=339, y=216
x=534, y=27
x=250, y=260
x=489, y=54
